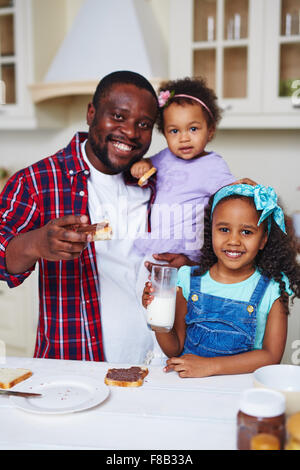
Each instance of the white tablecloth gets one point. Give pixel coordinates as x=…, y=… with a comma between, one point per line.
x=167, y=412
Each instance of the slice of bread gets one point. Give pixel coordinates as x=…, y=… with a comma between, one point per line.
x=10, y=377
x=100, y=231
x=143, y=180
x=132, y=377
x=103, y=232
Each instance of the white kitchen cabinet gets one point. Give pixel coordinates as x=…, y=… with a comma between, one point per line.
x=243, y=50
x=17, y=51
x=282, y=66
x=16, y=110
x=18, y=318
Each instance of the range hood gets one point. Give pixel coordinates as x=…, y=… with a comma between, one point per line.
x=106, y=35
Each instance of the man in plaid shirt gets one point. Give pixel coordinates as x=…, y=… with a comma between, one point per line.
x=40, y=202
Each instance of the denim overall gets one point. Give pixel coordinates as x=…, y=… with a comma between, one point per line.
x=216, y=326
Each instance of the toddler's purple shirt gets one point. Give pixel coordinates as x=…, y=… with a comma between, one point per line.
x=183, y=190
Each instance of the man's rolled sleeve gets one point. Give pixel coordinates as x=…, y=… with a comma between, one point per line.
x=13, y=280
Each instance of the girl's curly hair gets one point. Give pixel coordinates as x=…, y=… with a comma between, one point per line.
x=278, y=256
x=196, y=87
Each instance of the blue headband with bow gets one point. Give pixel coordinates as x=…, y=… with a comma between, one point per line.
x=265, y=200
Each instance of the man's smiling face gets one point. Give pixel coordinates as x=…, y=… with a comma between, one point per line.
x=120, y=129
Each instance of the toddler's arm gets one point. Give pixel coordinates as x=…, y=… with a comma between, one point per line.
x=141, y=167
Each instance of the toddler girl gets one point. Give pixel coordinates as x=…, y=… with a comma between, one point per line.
x=187, y=173
x=231, y=311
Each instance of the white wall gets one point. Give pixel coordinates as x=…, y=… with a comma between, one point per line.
x=269, y=157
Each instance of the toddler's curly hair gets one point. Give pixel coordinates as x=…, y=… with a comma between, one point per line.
x=196, y=87
x=278, y=257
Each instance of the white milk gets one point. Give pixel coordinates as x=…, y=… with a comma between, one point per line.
x=161, y=311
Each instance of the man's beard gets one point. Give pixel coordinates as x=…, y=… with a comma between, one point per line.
x=101, y=152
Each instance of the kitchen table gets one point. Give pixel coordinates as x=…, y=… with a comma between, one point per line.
x=166, y=412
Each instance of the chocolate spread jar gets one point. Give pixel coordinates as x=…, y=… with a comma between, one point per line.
x=261, y=411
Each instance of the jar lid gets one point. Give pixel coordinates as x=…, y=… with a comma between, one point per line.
x=262, y=403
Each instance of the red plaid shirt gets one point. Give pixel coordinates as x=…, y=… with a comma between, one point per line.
x=70, y=320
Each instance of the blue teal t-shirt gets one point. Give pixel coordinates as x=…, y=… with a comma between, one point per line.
x=237, y=291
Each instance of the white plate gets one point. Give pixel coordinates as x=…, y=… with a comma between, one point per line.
x=61, y=395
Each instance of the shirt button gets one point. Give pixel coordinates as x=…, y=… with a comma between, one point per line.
x=81, y=193
x=86, y=172
x=71, y=172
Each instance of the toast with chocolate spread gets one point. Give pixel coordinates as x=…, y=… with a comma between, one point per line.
x=131, y=377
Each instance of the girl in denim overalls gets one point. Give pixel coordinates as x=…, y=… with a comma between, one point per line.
x=231, y=311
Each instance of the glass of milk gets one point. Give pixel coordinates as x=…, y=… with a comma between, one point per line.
x=161, y=311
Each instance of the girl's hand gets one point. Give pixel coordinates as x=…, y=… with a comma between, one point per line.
x=190, y=365
x=147, y=297
x=138, y=169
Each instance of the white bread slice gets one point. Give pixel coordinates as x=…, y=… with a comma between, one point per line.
x=132, y=377
x=103, y=232
x=10, y=377
x=99, y=231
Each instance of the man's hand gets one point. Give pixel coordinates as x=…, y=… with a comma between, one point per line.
x=174, y=260
x=54, y=241
x=57, y=241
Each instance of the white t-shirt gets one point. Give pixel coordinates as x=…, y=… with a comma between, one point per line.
x=126, y=336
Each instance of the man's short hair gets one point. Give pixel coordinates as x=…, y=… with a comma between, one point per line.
x=121, y=76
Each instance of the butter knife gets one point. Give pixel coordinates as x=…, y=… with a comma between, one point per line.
x=20, y=394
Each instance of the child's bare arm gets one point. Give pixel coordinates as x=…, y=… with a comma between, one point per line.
x=172, y=342
x=141, y=167
x=191, y=365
